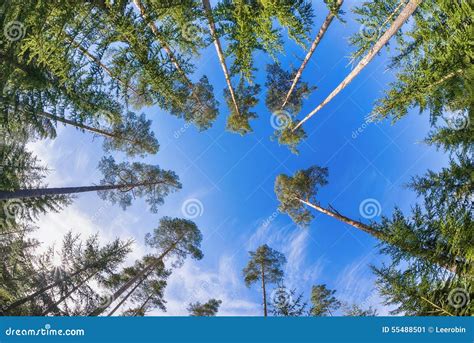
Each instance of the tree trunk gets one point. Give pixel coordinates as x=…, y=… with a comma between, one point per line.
x=264, y=293
x=67, y=295
x=38, y=192
x=354, y=223
x=220, y=54
x=54, y=284
x=396, y=25
x=313, y=47
x=85, y=127
x=141, y=274
x=129, y=294
x=143, y=305
x=368, y=229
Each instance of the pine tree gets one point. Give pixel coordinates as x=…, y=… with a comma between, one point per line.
x=246, y=96
x=394, y=27
x=265, y=265
x=208, y=309
x=400, y=234
x=323, y=301
x=334, y=11
x=121, y=183
x=173, y=238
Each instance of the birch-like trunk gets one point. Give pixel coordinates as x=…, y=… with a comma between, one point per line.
x=392, y=30
x=220, y=53
x=314, y=45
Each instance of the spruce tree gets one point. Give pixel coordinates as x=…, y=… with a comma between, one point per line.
x=323, y=301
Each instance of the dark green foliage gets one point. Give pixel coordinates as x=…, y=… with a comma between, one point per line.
x=323, y=301
x=248, y=26
x=303, y=185
x=246, y=99
x=208, y=309
x=147, y=181
x=286, y=302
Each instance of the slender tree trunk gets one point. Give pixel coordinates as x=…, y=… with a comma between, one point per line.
x=167, y=48
x=67, y=295
x=396, y=25
x=368, y=229
x=141, y=274
x=56, y=283
x=354, y=223
x=85, y=127
x=220, y=54
x=264, y=293
x=314, y=45
x=129, y=294
x=38, y=192
x=143, y=305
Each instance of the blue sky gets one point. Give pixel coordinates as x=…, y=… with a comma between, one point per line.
x=233, y=178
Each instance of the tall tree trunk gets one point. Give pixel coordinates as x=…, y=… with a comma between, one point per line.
x=58, y=282
x=67, y=295
x=396, y=25
x=314, y=45
x=143, y=305
x=129, y=294
x=85, y=127
x=264, y=293
x=426, y=254
x=38, y=192
x=354, y=223
x=220, y=54
x=167, y=48
x=141, y=274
